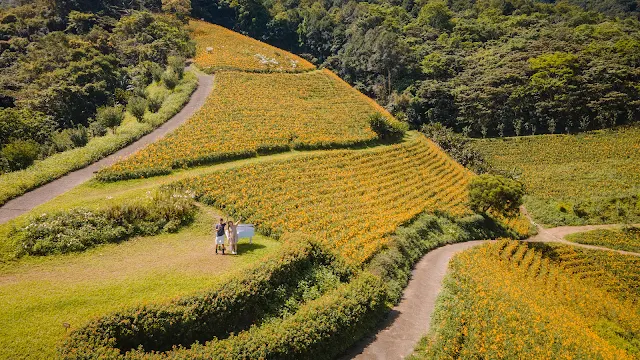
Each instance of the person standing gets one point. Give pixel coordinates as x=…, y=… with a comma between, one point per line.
x=233, y=237
x=220, y=235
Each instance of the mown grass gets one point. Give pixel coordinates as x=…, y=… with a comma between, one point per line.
x=589, y=178
x=16, y=183
x=627, y=239
x=39, y=294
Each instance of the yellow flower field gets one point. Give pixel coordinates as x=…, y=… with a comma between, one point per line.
x=229, y=50
x=353, y=201
x=626, y=239
x=505, y=300
x=249, y=113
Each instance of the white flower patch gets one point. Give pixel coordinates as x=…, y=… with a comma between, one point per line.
x=266, y=60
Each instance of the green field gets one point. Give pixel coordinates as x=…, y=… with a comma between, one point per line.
x=589, y=178
x=624, y=239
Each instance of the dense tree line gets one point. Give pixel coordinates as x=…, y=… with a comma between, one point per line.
x=61, y=61
x=484, y=67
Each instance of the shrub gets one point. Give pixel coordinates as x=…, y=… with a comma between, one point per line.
x=137, y=106
x=156, y=71
x=110, y=116
x=457, y=146
x=176, y=64
x=386, y=128
x=170, y=79
x=496, y=193
x=79, y=229
x=60, y=141
x=97, y=129
x=232, y=307
x=155, y=101
x=20, y=154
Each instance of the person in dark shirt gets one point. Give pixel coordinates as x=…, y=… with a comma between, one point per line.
x=220, y=235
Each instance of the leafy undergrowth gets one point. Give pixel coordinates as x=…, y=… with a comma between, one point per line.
x=351, y=201
x=218, y=48
x=16, y=183
x=78, y=229
x=249, y=114
x=625, y=239
x=590, y=178
x=509, y=300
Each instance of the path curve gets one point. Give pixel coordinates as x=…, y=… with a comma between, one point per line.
x=409, y=321
x=558, y=234
x=42, y=194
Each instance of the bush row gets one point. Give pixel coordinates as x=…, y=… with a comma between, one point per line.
x=322, y=328
x=107, y=175
x=80, y=228
x=17, y=183
x=230, y=308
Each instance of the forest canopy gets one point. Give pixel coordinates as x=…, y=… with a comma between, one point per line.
x=62, y=60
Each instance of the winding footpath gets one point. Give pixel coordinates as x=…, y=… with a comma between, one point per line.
x=38, y=196
x=409, y=321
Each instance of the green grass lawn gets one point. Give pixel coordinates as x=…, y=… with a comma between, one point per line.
x=588, y=178
x=39, y=294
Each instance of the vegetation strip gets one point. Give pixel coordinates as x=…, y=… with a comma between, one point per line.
x=19, y=182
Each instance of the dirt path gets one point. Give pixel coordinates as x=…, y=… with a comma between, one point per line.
x=28, y=201
x=409, y=321
x=559, y=233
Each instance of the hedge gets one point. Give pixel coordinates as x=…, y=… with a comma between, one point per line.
x=225, y=323
x=217, y=313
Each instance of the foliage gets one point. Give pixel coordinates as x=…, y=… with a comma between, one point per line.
x=506, y=290
x=181, y=8
x=155, y=101
x=79, y=229
x=176, y=63
x=59, y=64
x=231, y=50
x=495, y=193
x=42, y=172
x=387, y=129
x=16, y=124
x=259, y=113
x=457, y=146
x=626, y=239
x=353, y=201
x=170, y=79
x=110, y=116
x=487, y=68
x=580, y=179
x=20, y=153
x=137, y=106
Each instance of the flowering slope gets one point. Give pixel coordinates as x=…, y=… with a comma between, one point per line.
x=507, y=301
x=350, y=200
x=229, y=50
x=249, y=113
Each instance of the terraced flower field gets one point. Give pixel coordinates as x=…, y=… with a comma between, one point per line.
x=506, y=300
x=251, y=113
x=229, y=50
x=575, y=179
x=619, y=274
x=352, y=201
x=625, y=239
